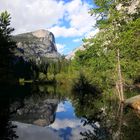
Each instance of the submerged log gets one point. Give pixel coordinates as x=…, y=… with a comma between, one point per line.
x=133, y=102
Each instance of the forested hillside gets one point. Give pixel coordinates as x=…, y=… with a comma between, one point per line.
x=112, y=57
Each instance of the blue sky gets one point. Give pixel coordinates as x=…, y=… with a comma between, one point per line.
x=68, y=20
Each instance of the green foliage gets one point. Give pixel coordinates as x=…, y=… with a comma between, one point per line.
x=6, y=46
x=82, y=86
x=118, y=30
x=5, y=36
x=5, y=30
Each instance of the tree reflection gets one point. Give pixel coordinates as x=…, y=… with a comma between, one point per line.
x=101, y=117
x=97, y=132
x=7, y=129
x=11, y=99
x=104, y=118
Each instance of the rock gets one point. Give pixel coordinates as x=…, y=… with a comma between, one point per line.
x=15, y=106
x=40, y=122
x=129, y=6
x=36, y=45
x=133, y=102
x=133, y=6
x=136, y=105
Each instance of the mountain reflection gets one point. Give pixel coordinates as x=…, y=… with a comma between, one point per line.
x=33, y=112
x=39, y=113
x=27, y=104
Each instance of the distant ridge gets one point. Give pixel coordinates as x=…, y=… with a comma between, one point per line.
x=71, y=55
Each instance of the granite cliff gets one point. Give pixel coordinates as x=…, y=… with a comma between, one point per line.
x=36, y=46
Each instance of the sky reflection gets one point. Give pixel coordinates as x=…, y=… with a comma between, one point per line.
x=65, y=127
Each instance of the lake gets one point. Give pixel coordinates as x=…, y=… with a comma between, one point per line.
x=52, y=112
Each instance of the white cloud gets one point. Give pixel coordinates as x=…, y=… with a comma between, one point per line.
x=77, y=40
x=74, y=124
x=92, y=33
x=62, y=124
x=61, y=108
x=80, y=21
x=60, y=48
x=65, y=32
x=79, y=16
x=31, y=15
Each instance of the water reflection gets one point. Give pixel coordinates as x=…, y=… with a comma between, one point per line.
x=7, y=129
x=34, y=132
x=43, y=112
x=7, y=108
x=40, y=113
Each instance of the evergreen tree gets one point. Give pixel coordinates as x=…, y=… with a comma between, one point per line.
x=6, y=44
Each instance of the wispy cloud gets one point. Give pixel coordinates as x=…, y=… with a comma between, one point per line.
x=60, y=47
x=92, y=33
x=77, y=40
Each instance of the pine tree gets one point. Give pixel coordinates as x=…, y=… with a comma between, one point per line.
x=6, y=45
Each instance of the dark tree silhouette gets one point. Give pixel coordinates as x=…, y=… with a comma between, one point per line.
x=6, y=46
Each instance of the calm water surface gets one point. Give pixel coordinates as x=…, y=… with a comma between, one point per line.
x=34, y=112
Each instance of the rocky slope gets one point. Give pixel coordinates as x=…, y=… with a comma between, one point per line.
x=71, y=55
x=36, y=45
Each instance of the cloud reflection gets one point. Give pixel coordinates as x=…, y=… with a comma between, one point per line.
x=32, y=132
x=75, y=125
x=61, y=108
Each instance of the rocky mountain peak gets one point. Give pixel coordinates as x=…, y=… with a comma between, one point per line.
x=44, y=34
x=36, y=45
x=41, y=33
